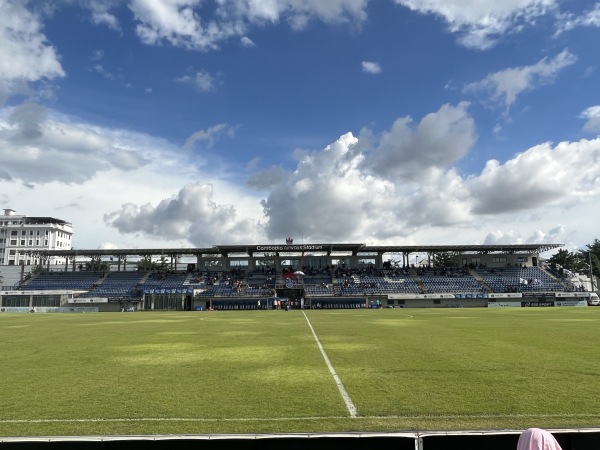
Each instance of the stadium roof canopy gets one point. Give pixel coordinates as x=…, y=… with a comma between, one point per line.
x=305, y=249
x=44, y=221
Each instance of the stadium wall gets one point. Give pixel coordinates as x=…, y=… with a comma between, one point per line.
x=181, y=302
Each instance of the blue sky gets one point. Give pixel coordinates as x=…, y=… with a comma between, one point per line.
x=167, y=123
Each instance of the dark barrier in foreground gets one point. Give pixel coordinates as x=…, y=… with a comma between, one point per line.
x=584, y=439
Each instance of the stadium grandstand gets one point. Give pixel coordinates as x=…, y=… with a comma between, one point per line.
x=314, y=276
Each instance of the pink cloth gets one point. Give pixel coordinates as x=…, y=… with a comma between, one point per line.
x=537, y=439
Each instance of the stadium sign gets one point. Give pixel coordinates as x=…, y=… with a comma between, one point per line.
x=503, y=304
x=506, y=295
x=89, y=300
x=49, y=309
x=536, y=304
x=15, y=309
x=418, y=296
x=571, y=303
x=123, y=299
x=27, y=293
x=287, y=248
x=572, y=294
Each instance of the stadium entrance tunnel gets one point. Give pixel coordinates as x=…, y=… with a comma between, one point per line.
x=583, y=439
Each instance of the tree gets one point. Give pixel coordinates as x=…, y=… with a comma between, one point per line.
x=96, y=265
x=592, y=252
x=34, y=271
x=564, y=259
x=443, y=259
x=146, y=264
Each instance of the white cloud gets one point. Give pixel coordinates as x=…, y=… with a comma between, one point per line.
x=125, y=194
x=31, y=139
x=97, y=55
x=202, y=81
x=500, y=237
x=592, y=116
x=371, y=67
x=210, y=135
x=25, y=54
x=440, y=139
x=481, y=23
x=349, y=192
x=77, y=171
x=247, y=42
x=503, y=87
x=184, y=23
x=377, y=188
x=100, y=13
x=99, y=68
x=268, y=178
x=175, y=22
x=192, y=214
x=328, y=197
x=590, y=18
x=540, y=177
x=296, y=12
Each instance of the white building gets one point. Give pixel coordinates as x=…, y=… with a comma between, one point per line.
x=21, y=237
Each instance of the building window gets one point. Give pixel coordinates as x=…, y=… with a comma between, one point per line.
x=13, y=242
x=22, y=242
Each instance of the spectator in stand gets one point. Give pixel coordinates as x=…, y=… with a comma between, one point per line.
x=537, y=439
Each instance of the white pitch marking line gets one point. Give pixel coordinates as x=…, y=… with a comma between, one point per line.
x=338, y=381
x=270, y=419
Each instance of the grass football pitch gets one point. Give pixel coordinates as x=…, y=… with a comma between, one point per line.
x=299, y=371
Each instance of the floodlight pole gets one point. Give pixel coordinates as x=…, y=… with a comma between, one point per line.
x=591, y=272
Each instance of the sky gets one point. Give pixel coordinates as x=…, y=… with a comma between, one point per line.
x=194, y=123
